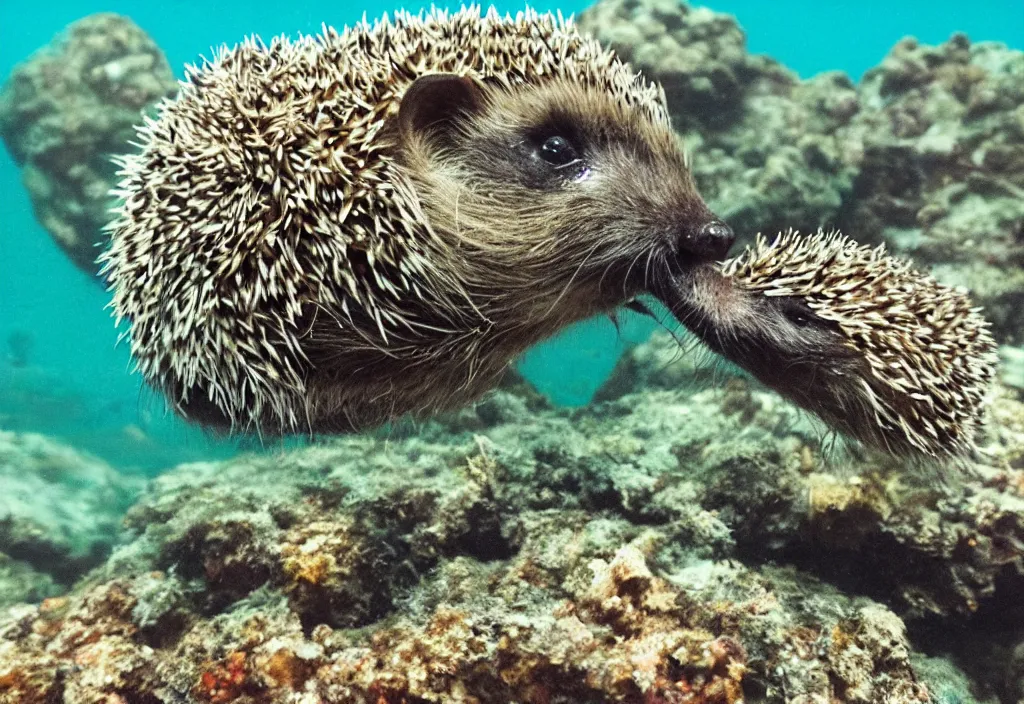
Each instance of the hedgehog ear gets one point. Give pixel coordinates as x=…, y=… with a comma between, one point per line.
x=433, y=102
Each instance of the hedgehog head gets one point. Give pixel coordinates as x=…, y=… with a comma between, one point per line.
x=325, y=234
x=881, y=352
x=595, y=188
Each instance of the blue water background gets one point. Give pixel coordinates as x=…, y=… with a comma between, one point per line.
x=78, y=386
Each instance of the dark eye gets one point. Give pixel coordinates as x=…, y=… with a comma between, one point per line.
x=558, y=151
x=802, y=316
x=798, y=313
x=798, y=318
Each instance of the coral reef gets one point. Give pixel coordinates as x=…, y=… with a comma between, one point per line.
x=66, y=110
x=942, y=172
x=670, y=543
x=935, y=548
x=59, y=514
x=634, y=551
x=943, y=547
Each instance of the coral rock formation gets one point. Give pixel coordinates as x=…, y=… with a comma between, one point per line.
x=67, y=110
x=59, y=513
x=934, y=548
x=942, y=172
x=613, y=554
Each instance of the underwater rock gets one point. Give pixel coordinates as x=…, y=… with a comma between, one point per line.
x=19, y=583
x=699, y=56
x=67, y=109
x=60, y=513
x=932, y=548
x=616, y=553
x=614, y=633
x=768, y=150
x=942, y=173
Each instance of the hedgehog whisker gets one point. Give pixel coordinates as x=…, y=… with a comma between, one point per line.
x=569, y=283
x=647, y=270
x=629, y=269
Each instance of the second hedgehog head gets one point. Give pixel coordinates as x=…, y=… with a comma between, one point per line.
x=882, y=353
x=326, y=234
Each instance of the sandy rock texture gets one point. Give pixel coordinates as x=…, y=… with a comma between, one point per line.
x=70, y=107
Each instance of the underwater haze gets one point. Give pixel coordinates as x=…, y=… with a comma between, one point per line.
x=822, y=503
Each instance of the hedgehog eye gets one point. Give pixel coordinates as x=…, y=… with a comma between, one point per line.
x=557, y=151
x=798, y=313
x=803, y=317
x=798, y=318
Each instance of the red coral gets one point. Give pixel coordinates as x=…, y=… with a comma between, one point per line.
x=224, y=681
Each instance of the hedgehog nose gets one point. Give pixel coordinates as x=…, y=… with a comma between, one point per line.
x=711, y=241
x=716, y=237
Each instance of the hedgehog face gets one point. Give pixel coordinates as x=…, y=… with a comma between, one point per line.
x=782, y=342
x=882, y=353
x=598, y=196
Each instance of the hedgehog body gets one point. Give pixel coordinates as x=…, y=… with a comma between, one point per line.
x=881, y=352
x=328, y=233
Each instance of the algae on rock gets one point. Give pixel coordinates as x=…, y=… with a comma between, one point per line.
x=617, y=553
x=59, y=514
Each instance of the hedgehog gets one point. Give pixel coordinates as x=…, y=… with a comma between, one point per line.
x=881, y=352
x=325, y=234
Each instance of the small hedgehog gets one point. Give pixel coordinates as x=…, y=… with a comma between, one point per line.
x=325, y=234
x=882, y=353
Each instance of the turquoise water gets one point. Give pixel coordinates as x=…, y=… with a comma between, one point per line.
x=77, y=385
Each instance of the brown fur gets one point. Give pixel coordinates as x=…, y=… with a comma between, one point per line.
x=811, y=365
x=515, y=264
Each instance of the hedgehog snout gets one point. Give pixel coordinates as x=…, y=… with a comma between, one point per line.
x=710, y=240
